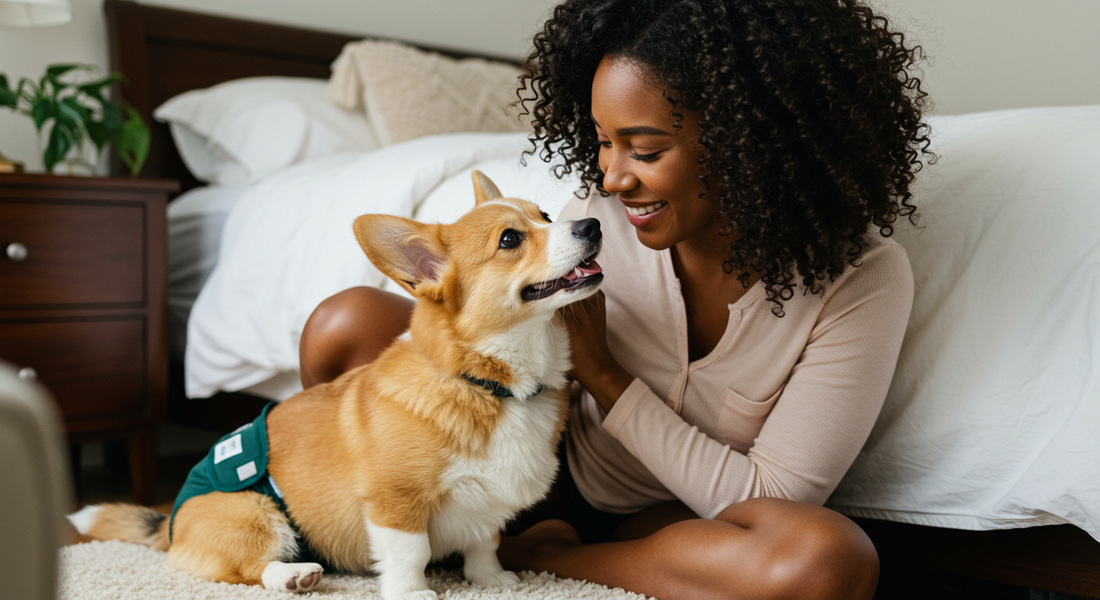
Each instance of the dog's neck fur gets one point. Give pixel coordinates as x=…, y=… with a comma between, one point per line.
x=530, y=353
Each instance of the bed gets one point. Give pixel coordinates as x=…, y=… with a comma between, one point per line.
x=983, y=465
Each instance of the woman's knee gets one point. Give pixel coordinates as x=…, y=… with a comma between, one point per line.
x=348, y=329
x=807, y=552
x=833, y=559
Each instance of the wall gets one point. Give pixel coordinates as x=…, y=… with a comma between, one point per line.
x=985, y=54
x=495, y=27
x=991, y=54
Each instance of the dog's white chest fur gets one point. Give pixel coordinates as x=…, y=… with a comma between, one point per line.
x=483, y=493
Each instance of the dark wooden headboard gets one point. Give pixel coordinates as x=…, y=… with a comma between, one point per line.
x=164, y=52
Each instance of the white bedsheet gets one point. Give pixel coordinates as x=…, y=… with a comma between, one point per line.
x=993, y=418
x=288, y=245
x=195, y=223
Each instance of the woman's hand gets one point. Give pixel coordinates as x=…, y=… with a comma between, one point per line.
x=594, y=367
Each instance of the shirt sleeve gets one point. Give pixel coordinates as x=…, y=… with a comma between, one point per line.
x=821, y=419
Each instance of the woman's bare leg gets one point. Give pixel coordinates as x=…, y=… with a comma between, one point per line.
x=758, y=549
x=349, y=329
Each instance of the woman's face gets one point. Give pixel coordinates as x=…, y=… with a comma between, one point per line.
x=648, y=162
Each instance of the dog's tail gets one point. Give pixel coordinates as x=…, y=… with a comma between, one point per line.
x=126, y=522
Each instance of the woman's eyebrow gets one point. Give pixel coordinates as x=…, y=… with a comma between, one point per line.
x=641, y=130
x=636, y=130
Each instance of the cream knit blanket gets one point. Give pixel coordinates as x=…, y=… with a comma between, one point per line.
x=409, y=93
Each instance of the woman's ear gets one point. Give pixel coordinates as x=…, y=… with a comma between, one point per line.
x=408, y=252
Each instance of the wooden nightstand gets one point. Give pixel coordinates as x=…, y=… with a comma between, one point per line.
x=83, y=295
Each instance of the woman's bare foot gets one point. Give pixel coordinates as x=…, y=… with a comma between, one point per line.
x=528, y=550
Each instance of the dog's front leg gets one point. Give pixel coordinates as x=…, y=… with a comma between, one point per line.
x=483, y=567
x=400, y=559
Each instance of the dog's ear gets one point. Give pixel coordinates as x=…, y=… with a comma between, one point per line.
x=407, y=252
x=484, y=189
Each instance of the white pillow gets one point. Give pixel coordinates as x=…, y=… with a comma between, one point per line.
x=242, y=130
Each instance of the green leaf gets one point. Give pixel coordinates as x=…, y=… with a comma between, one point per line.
x=74, y=110
x=112, y=118
x=56, y=148
x=8, y=96
x=42, y=110
x=132, y=143
x=99, y=134
x=45, y=87
x=55, y=71
x=26, y=90
x=96, y=95
x=72, y=129
x=52, y=82
x=95, y=88
x=73, y=134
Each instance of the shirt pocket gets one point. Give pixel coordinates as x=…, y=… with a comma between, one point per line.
x=741, y=420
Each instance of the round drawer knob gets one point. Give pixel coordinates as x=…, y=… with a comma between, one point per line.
x=17, y=251
x=27, y=374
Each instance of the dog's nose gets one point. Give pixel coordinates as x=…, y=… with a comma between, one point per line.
x=588, y=229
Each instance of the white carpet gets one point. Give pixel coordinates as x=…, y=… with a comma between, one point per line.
x=122, y=571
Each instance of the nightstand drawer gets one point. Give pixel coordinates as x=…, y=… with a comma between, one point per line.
x=94, y=368
x=83, y=299
x=76, y=254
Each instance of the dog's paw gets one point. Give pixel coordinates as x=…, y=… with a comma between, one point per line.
x=291, y=577
x=500, y=578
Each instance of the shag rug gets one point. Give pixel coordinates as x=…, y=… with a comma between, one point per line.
x=122, y=571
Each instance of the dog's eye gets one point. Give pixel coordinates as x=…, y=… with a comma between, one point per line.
x=510, y=238
x=547, y=217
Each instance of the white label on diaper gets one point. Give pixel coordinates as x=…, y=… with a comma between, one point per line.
x=246, y=470
x=228, y=448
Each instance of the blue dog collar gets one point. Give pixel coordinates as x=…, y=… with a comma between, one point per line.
x=496, y=387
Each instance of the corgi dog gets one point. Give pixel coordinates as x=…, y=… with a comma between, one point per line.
x=425, y=452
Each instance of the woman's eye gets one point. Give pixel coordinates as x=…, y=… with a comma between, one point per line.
x=645, y=157
x=510, y=238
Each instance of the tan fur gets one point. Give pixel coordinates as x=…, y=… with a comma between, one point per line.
x=130, y=523
x=376, y=442
x=203, y=522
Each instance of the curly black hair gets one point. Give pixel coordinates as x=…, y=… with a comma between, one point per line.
x=810, y=117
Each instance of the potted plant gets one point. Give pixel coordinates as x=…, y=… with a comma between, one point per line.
x=75, y=112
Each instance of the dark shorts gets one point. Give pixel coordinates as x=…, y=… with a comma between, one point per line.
x=565, y=501
x=593, y=524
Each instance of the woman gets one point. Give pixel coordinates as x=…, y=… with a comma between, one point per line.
x=748, y=158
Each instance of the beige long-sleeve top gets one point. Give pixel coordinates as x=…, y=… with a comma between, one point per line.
x=780, y=407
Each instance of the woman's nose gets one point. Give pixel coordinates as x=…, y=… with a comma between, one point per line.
x=618, y=178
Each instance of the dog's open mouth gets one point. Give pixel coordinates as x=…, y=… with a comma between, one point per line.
x=587, y=272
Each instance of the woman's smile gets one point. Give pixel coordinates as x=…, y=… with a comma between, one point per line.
x=639, y=216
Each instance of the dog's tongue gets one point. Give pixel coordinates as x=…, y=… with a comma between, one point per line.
x=583, y=270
